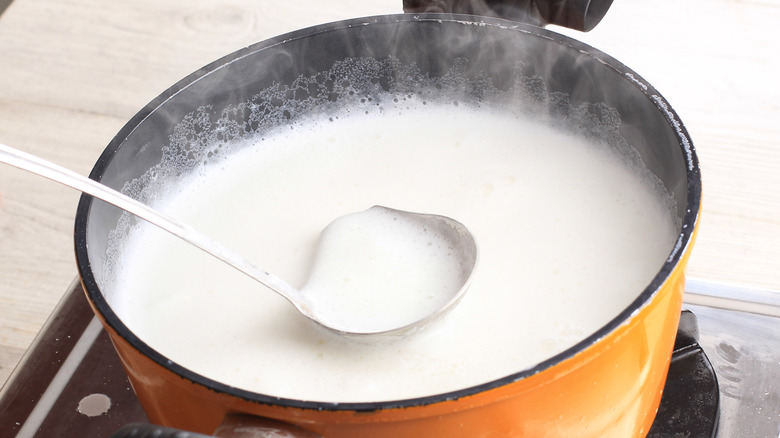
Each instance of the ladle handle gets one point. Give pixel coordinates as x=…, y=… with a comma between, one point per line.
x=54, y=172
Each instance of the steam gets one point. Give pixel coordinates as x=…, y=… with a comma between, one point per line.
x=361, y=86
x=374, y=84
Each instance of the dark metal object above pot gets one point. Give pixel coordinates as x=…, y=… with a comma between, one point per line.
x=582, y=15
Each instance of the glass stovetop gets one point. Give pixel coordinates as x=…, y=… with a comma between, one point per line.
x=70, y=382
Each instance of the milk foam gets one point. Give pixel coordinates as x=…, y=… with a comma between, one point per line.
x=568, y=235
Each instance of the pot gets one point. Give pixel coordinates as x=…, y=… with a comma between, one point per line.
x=609, y=384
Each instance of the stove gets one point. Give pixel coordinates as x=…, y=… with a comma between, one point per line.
x=724, y=378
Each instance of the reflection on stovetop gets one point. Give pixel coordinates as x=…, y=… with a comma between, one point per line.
x=740, y=333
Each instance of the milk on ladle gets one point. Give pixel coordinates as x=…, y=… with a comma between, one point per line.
x=569, y=235
x=376, y=271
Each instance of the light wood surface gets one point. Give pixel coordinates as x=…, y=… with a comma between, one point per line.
x=72, y=72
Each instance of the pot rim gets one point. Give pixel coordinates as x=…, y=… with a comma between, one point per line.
x=689, y=222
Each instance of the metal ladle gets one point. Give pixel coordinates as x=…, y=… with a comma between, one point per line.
x=457, y=236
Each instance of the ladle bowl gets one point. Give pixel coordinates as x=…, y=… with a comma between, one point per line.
x=455, y=235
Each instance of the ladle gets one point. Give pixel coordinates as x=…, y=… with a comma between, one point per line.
x=455, y=235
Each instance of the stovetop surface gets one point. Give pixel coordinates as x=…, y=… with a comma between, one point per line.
x=71, y=383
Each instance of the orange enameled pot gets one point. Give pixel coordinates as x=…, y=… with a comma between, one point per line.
x=608, y=385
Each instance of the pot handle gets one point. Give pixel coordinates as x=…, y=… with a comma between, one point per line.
x=582, y=15
x=233, y=426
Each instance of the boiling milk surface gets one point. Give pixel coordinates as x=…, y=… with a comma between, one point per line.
x=568, y=235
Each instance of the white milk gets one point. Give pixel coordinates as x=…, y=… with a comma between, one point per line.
x=568, y=237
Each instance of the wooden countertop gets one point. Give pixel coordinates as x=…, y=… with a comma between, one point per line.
x=72, y=72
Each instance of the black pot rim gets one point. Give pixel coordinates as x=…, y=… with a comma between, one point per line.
x=689, y=222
